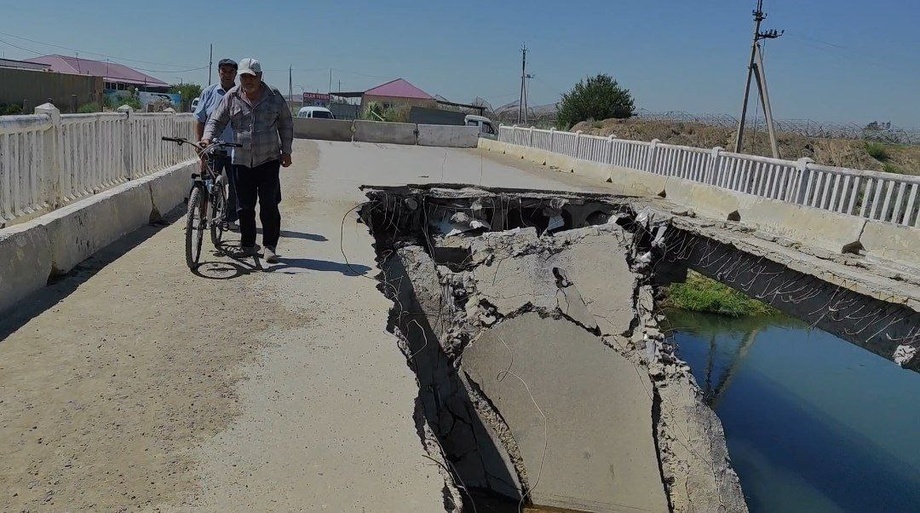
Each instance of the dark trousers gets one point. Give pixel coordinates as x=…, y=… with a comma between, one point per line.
x=259, y=183
x=222, y=163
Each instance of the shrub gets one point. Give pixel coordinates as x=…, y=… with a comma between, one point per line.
x=10, y=109
x=599, y=98
x=878, y=151
x=87, y=108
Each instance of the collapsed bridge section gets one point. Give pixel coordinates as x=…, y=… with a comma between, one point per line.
x=529, y=319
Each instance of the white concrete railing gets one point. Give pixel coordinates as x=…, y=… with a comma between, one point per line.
x=886, y=197
x=48, y=160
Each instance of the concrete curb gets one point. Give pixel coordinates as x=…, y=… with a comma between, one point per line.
x=812, y=227
x=56, y=242
x=445, y=136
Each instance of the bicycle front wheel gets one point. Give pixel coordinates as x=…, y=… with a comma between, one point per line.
x=217, y=214
x=194, y=228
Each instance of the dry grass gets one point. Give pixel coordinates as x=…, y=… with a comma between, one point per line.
x=848, y=153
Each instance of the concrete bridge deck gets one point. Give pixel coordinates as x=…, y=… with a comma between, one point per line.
x=133, y=384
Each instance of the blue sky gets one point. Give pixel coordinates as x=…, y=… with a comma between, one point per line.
x=839, y=61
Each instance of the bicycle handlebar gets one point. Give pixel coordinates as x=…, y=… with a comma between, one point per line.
x=214, y=143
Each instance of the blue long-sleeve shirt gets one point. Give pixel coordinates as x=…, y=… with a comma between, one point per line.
x=207, y=102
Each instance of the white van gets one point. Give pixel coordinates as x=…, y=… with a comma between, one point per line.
x=315, y=113
x=486, y=127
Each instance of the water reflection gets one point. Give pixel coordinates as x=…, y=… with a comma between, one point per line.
x=813, y=423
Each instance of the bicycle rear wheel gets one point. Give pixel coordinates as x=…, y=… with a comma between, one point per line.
x=194, y=228
x=217, y=213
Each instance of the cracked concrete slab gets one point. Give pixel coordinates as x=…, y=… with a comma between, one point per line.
x=588, y=281
x=587, y=445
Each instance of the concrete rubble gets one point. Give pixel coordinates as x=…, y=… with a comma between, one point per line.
x=530, y=322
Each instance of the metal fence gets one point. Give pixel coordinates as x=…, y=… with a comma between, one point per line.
x=872, y=195
x=48, y=160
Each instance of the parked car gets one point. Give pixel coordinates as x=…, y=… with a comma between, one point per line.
x=315, y=113
x=487, y=128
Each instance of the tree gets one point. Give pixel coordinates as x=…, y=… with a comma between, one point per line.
x=188, y=91
x=598, y=97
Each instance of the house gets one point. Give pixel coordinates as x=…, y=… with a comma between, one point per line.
x=116, y=77
x=397, y=93
x=14, y=64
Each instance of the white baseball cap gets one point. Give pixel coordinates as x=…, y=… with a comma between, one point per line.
x=249, y=66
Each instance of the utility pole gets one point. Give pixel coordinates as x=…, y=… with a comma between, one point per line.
x=291, y=84
x=756, y=66
x=330, y=81
x=210, y=62
x=521, y=111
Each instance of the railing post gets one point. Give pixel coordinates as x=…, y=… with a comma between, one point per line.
x=128, y=148
x=54, y=183
x=531, y=137
x=650, y=158
x=577, y=144
x=801, y=194
x=713, y=165
x=552, y=139
x=610, y=139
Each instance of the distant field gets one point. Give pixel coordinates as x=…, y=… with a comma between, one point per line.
x=855, y=154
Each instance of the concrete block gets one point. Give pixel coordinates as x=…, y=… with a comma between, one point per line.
x=810, y=226
x=170, y=187
x=26, y=262
x=448, y=136
x=636, y=183
x=380, y=132
x=891, y=242
x=323, y=129
x=78, y=230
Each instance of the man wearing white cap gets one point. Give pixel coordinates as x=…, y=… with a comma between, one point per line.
x=262, y=123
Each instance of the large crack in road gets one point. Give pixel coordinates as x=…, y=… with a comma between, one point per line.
x=529, y=319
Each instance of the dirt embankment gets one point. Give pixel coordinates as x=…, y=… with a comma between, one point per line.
x=854, y=154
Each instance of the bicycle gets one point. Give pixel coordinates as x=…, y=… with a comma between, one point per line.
x=207, y=201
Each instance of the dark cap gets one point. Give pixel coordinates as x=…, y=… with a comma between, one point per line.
x=227, y=62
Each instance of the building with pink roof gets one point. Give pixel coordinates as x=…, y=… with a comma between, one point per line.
x=398, y=93
x=116, y=76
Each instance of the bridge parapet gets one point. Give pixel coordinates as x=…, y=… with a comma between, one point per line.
x=50, y=159
x=871, y=195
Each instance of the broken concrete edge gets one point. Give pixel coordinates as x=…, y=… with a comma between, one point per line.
x=445, y=136
x=896, y=285
x=661, y=360
x=852, y=275
x=807, y=226
x=672, y=381
x=51, y=245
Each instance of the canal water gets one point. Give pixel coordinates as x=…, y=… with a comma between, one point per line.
x=813, y=423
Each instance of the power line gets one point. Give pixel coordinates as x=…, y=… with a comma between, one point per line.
x=89, y=53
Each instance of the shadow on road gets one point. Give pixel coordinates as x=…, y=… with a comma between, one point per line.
x=222, y=270
x=286, y=234
x=59, y=287
x=319, y=265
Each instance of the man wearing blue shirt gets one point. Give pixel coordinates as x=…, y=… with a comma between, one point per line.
x=207, y=102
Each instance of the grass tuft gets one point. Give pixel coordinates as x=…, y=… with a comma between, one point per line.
x=701, y=294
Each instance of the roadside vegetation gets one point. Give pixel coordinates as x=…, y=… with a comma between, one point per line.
x=598, y=97
x=701, y=294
